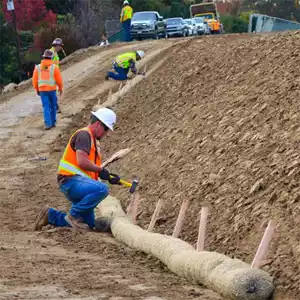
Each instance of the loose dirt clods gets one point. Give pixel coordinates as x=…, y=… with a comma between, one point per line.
x=217, y=119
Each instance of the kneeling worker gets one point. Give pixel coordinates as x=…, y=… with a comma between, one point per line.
x=124, y=63
x=78, y=173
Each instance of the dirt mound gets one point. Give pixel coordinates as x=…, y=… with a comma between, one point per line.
x=219, y=124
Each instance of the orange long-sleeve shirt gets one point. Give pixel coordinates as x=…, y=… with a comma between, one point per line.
x=46, y=63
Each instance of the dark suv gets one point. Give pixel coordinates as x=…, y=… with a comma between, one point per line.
x=147, y=24
x=176, y=27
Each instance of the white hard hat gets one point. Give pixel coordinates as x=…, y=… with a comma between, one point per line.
x=106, y=116
x=125, y=2
x=140, y=53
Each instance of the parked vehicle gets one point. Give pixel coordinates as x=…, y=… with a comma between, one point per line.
x=209, y=12
x=176, y=27
x=192, y=26
x=202, y=26
x=147, y=24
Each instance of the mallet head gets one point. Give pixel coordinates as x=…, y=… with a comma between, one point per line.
x=133, y=186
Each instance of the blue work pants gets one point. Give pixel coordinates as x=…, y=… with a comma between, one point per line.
x=84, y=194
x=49, y=102
x=126, y=28
x=121, y=73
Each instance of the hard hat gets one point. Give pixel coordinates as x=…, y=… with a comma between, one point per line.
x=57, y=42
x=106, y=116
x=125, y=2
x=48, y=54
x=140, y=53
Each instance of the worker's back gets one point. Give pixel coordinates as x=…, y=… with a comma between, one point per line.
x=126, y=14
x=123, y=60
x=46, y=76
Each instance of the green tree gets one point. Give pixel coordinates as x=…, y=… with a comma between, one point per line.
x=234, y=24
x=8, y=62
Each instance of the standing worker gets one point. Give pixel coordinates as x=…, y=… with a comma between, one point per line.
x=46, y=78
x=124, y=63
x=125, y=19
x=78, y=173
x=57, y=46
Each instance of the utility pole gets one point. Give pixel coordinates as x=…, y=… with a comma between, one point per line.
x=11, y=7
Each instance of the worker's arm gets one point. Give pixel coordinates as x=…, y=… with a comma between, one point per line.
x=134, y=70
x=122, y=15
x=84, y=162
x=35, y=79
x=58, y=79
x=132, y=66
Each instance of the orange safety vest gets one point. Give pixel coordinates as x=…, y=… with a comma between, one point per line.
x=68, y=164
x=46, y=77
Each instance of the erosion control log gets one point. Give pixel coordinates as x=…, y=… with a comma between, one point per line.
x=230, y=277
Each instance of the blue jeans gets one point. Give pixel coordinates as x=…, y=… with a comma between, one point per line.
x=84, y=194
x=49, y=101
x=121, y=73
x=126, y=28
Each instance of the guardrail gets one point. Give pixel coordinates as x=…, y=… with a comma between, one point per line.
x=264, y=23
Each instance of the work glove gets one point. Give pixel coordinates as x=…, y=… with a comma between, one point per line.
x=104, y=174
x=114, y=179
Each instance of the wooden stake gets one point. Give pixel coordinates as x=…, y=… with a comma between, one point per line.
x=155, y=215
x=133, y=207
x=180, y=218
x=202, y=229
x=109, y=95
x=262, y=250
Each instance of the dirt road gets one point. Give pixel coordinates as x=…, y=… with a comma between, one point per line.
x=57, y=264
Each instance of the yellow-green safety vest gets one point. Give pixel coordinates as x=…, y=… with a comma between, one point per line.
x=122, y=60
x=126, y=13
x=55, y=56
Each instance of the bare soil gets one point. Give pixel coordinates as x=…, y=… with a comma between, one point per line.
x=217, y=124
x=58, y=263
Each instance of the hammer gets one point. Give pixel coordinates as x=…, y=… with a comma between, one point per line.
x=132, y=185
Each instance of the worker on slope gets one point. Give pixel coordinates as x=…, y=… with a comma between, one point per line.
x=57, y=46
x=125, y=19
x=78, y=173
x=46, y=78
x=125, y=62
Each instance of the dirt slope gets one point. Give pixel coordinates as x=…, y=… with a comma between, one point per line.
x=57, y=264
x=217, y=124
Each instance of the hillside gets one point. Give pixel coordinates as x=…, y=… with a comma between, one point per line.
x=217, y=123
x=220, y=124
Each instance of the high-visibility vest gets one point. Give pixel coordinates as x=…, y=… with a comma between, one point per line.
x=55, y=56
x=68, y=164
x=123, y=59
x=46, y=76
x=126, y=13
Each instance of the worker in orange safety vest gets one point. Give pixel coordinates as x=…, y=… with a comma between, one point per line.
x=46, y=78
x=78, y=173
x=125, y=19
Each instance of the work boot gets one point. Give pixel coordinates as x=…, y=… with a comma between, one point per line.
x=47, y=128
x=76, y=223
x=58, y=109
x=106, y=77
x=42, y=218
